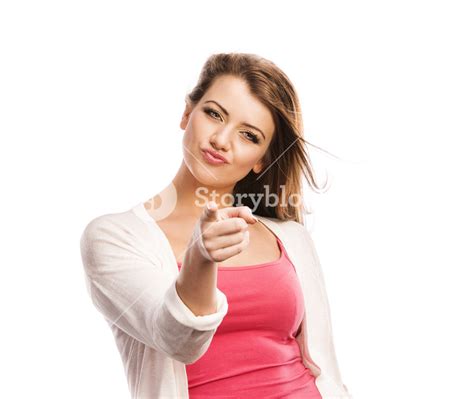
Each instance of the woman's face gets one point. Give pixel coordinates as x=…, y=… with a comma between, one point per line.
x=220, y=122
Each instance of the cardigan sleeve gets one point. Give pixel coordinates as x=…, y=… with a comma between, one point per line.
x=331, y=380
x=134, y=292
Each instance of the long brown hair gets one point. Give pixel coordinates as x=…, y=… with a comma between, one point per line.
x=286, y=158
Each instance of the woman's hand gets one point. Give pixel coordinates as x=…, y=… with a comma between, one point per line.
x=220, y=234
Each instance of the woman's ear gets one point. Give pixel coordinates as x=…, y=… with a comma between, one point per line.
x=185, y=117
x=262, y=163
x=258, y=167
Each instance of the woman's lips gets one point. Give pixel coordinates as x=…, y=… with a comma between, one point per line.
x=212, y=160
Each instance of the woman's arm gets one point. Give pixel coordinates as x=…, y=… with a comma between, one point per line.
x=317, y=342
x=133, y=291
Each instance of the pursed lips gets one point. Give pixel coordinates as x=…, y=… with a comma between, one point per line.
x=216, y=155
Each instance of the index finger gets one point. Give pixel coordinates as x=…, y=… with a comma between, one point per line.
x=243, y=212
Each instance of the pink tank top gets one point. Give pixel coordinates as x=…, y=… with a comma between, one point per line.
x=254, y=352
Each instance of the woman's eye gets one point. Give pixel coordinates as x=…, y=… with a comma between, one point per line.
x=211, y=111
x=253, y=137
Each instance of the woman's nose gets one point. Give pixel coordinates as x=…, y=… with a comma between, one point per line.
x=221, y=138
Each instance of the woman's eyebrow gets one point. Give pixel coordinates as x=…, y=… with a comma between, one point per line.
x=227, y=114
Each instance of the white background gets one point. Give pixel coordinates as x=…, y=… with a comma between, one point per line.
x=91, y=95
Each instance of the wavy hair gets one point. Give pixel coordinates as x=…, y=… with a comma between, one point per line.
x=286, y=159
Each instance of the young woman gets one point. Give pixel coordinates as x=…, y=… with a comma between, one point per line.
x=213, y=287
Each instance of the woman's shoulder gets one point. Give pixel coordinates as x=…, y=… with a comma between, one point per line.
x=119, y=224
x=294, y=235
x=111, y=237
x=287, y=226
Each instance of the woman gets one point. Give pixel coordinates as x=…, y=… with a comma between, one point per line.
x=203, y=300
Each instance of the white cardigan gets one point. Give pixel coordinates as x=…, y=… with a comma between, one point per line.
x=130, y=271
